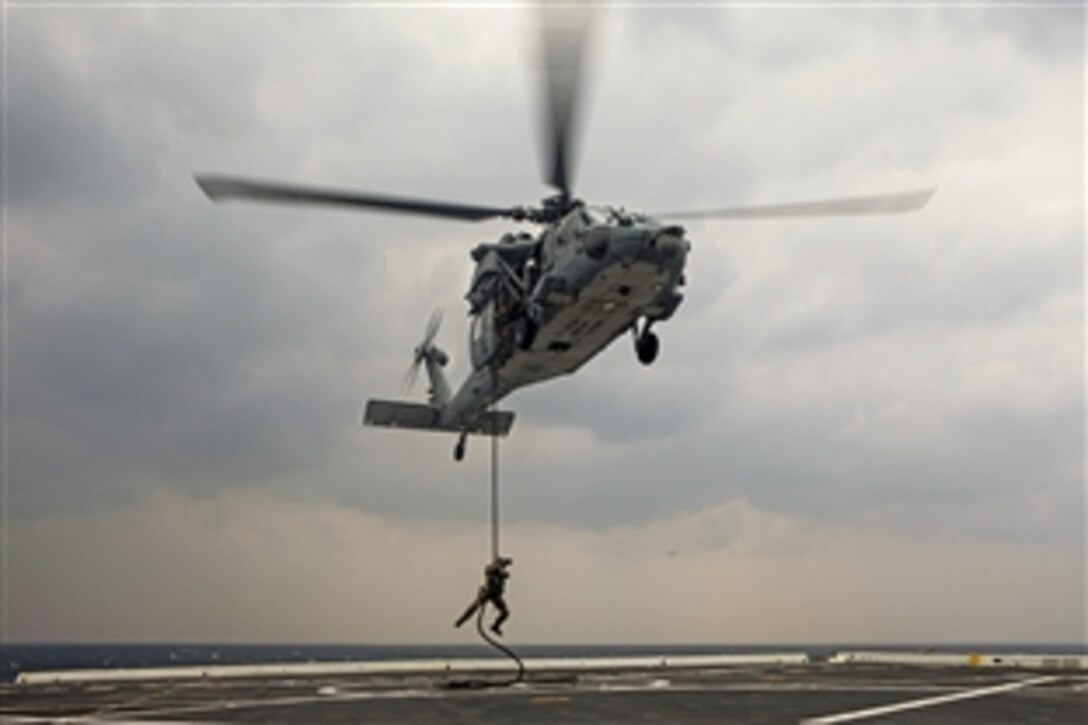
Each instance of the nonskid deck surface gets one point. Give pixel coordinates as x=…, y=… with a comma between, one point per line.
x=788, y=689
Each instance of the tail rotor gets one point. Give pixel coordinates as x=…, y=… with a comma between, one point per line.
x=426, y=349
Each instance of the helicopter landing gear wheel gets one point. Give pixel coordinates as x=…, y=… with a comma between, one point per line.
x=647, y=346
x=459, y=449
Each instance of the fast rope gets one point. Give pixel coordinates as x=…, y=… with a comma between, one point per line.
x=495, y=546
x=474, y=684
x=502, y=648
x=494, y=483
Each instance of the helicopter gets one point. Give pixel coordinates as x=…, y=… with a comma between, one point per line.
x=543, y=304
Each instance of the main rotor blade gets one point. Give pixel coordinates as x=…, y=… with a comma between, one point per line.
x=223, y=188
x=857, y=205
x=565, y=27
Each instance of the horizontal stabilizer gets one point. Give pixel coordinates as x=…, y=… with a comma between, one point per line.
x=420, y=416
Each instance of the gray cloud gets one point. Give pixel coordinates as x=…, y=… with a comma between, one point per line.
x=1047, y=32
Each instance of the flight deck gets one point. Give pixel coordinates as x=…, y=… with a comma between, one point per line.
x=771, y=688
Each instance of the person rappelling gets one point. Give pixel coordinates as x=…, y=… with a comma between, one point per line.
x=494, y=586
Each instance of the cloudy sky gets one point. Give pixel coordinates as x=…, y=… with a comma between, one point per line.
x=857, y=430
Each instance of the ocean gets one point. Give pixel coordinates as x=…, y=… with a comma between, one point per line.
x=29, y=657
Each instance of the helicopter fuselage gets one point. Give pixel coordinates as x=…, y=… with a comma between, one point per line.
x=542, y=307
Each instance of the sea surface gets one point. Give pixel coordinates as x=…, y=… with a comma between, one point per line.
x=29, y=657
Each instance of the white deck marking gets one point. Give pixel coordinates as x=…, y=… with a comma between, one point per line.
x=928, y=701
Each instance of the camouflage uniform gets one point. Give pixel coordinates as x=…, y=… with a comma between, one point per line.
x=495, y=576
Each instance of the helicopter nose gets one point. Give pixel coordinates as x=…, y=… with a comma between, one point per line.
x=669, y=240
